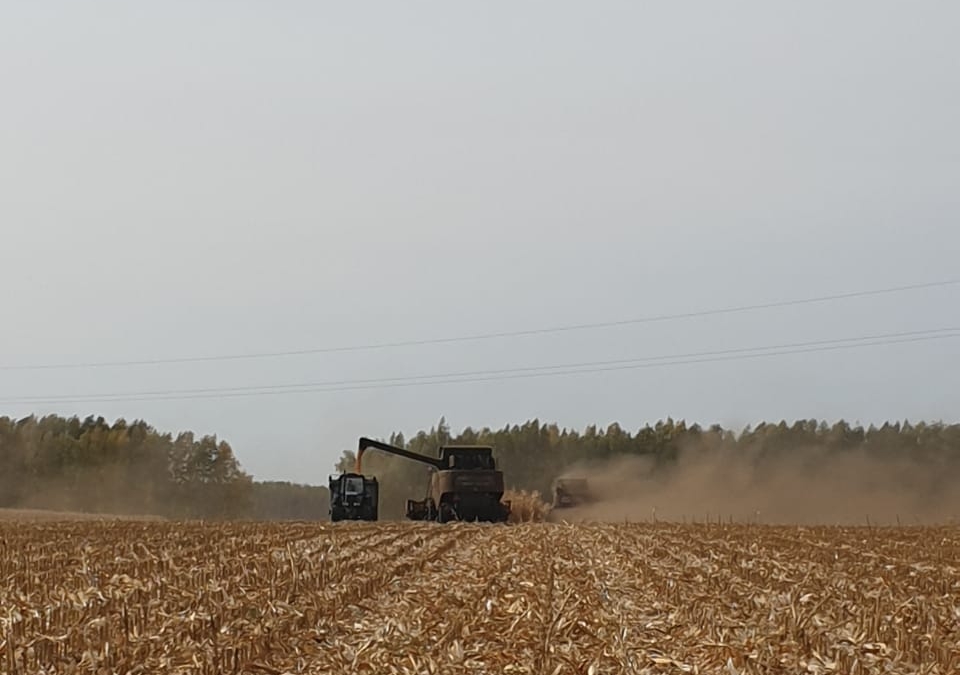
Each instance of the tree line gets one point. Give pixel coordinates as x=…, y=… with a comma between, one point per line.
x=532, y=455
x=90, y=465
x=131, y=468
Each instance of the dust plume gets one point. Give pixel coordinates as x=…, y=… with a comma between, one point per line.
x=809, y=486
x=108, y=489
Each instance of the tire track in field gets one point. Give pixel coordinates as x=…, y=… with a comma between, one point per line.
x=599, y=611
x=626, y=600
x=347, y=581
x=379, y=564
x=481, y=599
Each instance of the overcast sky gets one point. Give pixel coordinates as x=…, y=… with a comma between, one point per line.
x=186, y=179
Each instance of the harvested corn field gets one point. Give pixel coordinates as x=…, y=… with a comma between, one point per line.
x=138, y=597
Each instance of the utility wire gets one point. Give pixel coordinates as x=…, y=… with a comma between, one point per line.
x=483, y=336
x=473, y=373
x=510, y=373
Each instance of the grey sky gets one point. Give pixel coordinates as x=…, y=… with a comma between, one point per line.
x=187, y=179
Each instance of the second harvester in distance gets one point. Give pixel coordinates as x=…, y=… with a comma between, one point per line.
x=465, y=483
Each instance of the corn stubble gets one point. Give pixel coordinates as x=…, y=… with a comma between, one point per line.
x=127, y=597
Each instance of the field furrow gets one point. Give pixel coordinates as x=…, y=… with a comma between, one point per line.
x=478, y=606
x=138, y=597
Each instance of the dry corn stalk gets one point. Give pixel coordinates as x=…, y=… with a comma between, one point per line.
x=141, y=597
x=526, y=507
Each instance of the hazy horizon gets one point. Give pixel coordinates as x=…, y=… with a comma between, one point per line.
x=189, y=180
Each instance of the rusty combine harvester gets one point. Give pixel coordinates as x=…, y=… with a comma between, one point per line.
x=464, y=483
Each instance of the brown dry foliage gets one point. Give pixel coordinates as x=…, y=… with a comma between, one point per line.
x=526, y=507
x=137, y=597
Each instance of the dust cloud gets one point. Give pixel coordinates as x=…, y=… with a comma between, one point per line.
x=808, y=487
x=107, y=490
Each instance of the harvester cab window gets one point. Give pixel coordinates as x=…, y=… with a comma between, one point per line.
x=467, y=459
x=461, y=460
x=353, y=486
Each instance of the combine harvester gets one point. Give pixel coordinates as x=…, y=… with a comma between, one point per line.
x=571, y=492
x=464, y=485
x=354, y=496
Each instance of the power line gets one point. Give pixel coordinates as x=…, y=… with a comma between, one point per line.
x=508, y=373
x=472, y=373
x=483, y=336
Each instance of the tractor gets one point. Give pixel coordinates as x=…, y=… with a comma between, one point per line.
x=354, y=496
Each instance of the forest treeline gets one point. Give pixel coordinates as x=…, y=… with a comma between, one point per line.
x=131, y=468
x=90, y=465
x=532, y=455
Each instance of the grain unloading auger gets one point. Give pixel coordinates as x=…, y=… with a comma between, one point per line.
x=464, y=484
